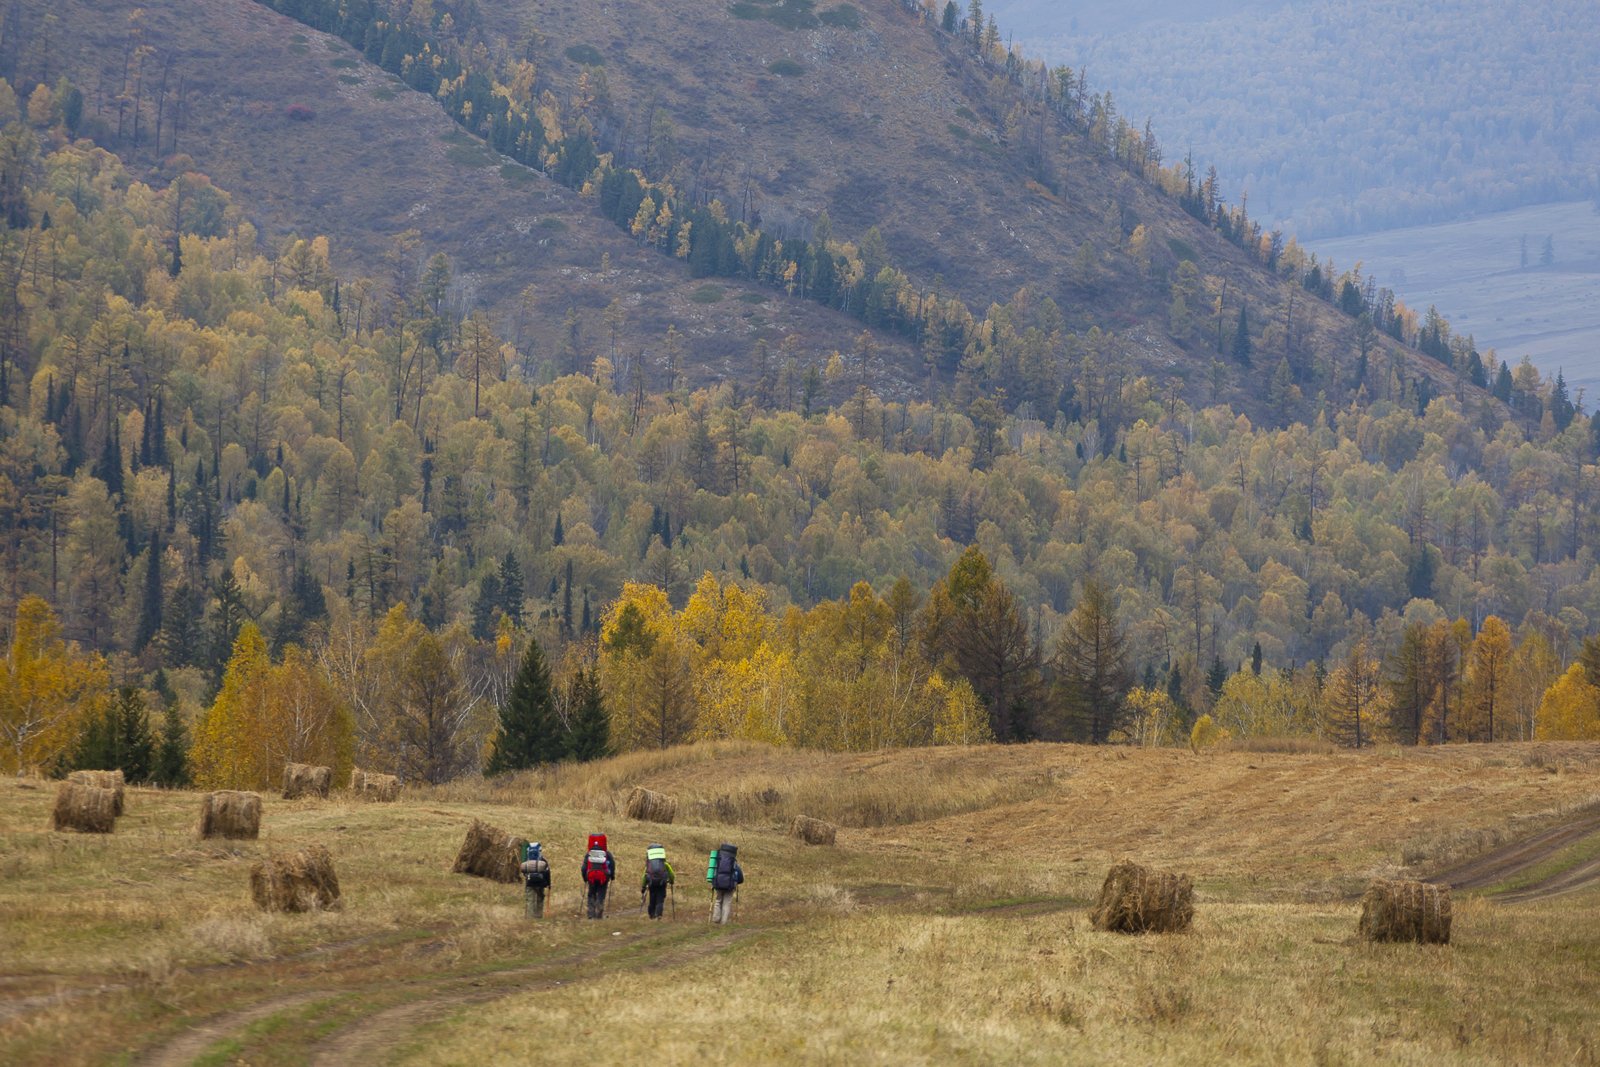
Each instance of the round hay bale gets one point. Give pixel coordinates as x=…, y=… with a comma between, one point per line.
x=369, y=785
x=1137, y=900
x=112, y=780
x=306, y=780
x=1405, y=911
x=650, y=806
x=490, y=853
x=301, y=881
x=813, y=831
x=230, y=814
x=85, y=808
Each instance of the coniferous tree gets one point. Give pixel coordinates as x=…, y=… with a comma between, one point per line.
x=511, y=591
x=566, y=603
x=558, y=536
x=1241, y=338
x=590, y=737
x=1217, y=676
x=171, y=767
x=1255, y=660
x=489, y=601
x=530, y=731
x=952, y=15
x=118, y=738
x=1092, y=664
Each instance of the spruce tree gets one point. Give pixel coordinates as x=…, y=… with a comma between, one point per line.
x=1241, y=338
x=530, y=732
x=1217, y=676
x=511, y=590
x=171, y=766
x=590, y=734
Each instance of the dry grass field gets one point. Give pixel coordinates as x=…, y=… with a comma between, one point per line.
x=949, y=924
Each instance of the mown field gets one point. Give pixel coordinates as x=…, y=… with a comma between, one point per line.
x=949, y=924
x=1472, y=271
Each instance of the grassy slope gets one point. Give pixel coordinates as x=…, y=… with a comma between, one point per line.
x=888, y=124
x=893, y=125
x=948, y=923
x=379, y=159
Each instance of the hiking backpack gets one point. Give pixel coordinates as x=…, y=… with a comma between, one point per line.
x=599, y=872
x=655, y=865
x=723, y=861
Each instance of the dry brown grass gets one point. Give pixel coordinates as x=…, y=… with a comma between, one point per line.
x=918, y=941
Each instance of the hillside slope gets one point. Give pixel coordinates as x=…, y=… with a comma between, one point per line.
x=865, y=113
x=378, y=160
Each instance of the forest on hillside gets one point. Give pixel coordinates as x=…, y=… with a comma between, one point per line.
x=339, y=532
x=1347, y=116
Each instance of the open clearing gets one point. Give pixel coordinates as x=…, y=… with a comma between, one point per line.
x=948, y=925
x=1472, y=271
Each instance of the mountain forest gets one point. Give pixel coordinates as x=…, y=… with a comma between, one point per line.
x=269, y=499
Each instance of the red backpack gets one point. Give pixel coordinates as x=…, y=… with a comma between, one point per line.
x=596, y=870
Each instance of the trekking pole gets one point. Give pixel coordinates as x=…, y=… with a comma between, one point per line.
x=672, y=891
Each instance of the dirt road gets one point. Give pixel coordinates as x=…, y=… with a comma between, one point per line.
x=1524, y=855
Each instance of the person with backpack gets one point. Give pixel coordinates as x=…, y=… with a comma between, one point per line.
x=657, y=877
x=599, y=868
x=725, y=875
x=535, y=880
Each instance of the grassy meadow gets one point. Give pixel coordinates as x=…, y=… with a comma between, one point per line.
x=949, y=924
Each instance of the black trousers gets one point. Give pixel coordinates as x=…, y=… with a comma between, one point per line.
x=658, y=900
x=597, y=901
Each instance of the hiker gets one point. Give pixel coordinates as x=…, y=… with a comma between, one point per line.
x=599, y=868
x=535, y=880
x=657, y=877
x=725, y=875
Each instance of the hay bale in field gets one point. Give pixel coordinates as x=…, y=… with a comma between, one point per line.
x=813, y=831
x=490, y=853
x=112, y=780
x=1405, y=911
x=85, y=808
x=306, y=780
x=301, y=881
x=650, y=806
x=231, y=814
x=372, y=786
x=1137, y=900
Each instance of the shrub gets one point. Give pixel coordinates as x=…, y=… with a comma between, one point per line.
x=299, y=113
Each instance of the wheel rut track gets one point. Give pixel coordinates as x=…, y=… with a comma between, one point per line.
x=365, y=1038
x=1509, y=860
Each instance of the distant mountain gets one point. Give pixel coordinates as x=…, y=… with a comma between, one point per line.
x=1340, y=116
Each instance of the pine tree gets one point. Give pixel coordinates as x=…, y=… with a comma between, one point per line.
x=483, y=609
x=1217, y=676
x=171, y=766
x=530, y=732
x=1255, y=660
x=1241, y=338
x=590, y=736
x=511, y=589
x=558, y=536
x=952, y=15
